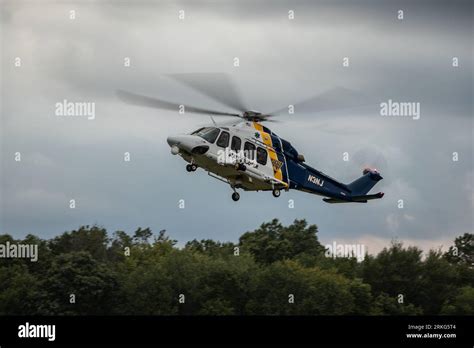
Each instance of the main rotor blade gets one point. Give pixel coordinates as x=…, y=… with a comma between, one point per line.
x=141, y=100
x=217, y=86
x=338, y=98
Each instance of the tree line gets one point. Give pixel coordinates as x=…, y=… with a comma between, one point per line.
x=273, y=270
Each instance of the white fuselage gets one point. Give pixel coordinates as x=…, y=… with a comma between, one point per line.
x=241, y=154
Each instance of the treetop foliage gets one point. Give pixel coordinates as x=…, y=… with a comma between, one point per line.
x=273, y=270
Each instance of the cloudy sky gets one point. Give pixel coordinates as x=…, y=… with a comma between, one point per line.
x=282, y=61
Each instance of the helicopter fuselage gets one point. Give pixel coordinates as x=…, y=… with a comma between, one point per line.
x=241, y=154
x=249, y=156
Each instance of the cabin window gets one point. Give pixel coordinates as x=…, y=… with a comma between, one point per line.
x=261, y=155
x=249, y=150
x=235, y=144
x=209, y=133
x=223, y=140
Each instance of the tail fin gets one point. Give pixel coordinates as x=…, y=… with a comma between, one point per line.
x=365, y=183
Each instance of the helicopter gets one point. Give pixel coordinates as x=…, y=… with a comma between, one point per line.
x=246, y=154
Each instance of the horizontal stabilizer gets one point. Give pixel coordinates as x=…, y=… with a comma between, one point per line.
x=355, y=199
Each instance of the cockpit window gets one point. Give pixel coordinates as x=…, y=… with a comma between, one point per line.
x=197, y=131
x=209, y=133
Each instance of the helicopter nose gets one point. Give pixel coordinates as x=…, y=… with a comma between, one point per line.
x=172, y=140
x=183, y=142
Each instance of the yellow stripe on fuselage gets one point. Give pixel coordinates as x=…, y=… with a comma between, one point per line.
x=267, y=140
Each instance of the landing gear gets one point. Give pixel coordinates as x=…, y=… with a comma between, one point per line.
x=276, y=193
x=241, y=167
x=191, y=167
x=235, y=196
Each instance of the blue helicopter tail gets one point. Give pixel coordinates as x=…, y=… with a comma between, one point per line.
x=359, y=189
x=365, y=183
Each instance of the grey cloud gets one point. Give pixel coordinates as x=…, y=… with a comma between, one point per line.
x=281, y=63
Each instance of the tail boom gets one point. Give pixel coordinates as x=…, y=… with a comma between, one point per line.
x=307, y=179
x=359, y=188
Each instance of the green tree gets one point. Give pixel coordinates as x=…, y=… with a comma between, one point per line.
x=463, y=250
x=93, y=239
x=439, y=281
x=273, y=242
x=227, y=282
x=278, y=271
x=314, y=291
x=362, y=294
x=461, y=304
x=395, y=271
x=79, y=274
x=385, y=304
x=141, y=236
x=144, y=286
x=211, y=248
x=116, y=250
x=19, y=290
